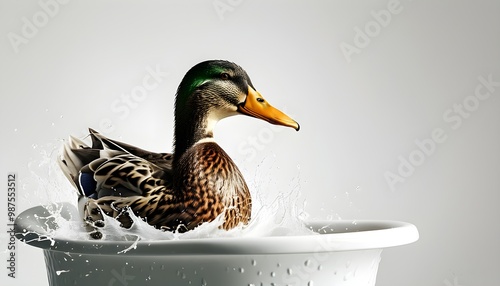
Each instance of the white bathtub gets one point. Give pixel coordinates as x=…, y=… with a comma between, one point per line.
x=345, y=253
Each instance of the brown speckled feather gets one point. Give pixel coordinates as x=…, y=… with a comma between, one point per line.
x=209, y=183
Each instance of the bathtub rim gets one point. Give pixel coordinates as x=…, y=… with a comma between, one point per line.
x=361, y=235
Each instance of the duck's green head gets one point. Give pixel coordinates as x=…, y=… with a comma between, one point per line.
x=216, y=89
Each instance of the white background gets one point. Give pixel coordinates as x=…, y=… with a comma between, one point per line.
x=364, y=86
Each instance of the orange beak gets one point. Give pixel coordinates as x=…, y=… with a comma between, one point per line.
x=256, y=106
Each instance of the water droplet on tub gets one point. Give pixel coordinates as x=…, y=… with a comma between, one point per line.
x=254, y=262
x=307, y=262
x=61, y=271
x=310, y=283
x=289, y=271
x=259, y=273
x=203, y=282
x=242, y=270
x=273, y=274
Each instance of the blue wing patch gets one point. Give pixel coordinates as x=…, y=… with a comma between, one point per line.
x=87, y=184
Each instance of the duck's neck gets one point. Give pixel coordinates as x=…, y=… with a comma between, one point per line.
x=190, y=128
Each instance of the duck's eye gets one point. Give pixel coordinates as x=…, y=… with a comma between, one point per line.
x=259, y=99
x=224, y=76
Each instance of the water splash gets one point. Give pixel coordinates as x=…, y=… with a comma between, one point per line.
x=46, y=183
x=280, y=215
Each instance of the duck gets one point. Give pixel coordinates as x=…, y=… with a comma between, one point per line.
x=177, y=191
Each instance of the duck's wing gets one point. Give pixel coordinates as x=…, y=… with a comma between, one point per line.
x=113, y=168
x=99, y=141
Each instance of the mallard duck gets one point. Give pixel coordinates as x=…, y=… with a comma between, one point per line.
x=173, y=191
